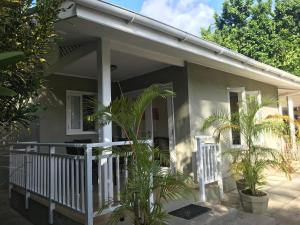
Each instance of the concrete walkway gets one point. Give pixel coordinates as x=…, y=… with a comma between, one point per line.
x=7, y=215
x=284, y=194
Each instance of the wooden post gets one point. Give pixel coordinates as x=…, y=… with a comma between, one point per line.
x=89, y=214
x=51, y=183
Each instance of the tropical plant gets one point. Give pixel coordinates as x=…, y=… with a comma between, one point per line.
x=9, y=58
x=265, y=30
x=145, y=174
x=250, y=161
x=27, y=32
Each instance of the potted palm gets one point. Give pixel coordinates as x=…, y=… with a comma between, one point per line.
x=148, y=185
x=250, y=161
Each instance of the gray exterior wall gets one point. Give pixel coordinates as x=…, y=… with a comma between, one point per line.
x=208, y=93
x=178, y=77
x=199, y=92
x=52, y=125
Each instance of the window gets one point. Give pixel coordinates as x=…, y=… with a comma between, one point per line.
x=79, y=106
x=237, y=100
x=234, y=110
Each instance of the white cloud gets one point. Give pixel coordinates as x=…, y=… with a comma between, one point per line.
x=187, y=15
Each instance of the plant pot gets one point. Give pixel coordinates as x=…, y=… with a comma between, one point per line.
x=240, y=184
x=254, y=204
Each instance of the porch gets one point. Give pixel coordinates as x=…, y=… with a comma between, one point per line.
x=85, y=188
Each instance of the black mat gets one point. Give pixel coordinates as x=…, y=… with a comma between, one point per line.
x=190, y=211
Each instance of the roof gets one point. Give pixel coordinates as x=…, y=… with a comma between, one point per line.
x=191, y=47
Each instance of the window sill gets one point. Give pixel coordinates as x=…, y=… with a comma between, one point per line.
x=81, y=133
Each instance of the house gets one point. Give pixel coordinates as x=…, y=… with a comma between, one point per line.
x=106, y=51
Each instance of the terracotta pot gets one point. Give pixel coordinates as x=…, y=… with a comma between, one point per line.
x=240, y=184
x=254, y=204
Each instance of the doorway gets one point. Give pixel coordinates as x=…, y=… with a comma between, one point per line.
x=158, y=125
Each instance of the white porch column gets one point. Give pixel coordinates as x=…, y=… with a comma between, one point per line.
x=104, y=84
x=290, y=105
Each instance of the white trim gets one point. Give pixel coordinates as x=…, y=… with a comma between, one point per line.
x=70, y=131
x=74, y=75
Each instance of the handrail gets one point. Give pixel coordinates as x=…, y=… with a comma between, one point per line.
x=78, y=145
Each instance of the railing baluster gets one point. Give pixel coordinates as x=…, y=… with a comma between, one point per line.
x=99, y=181
x=105, y=185
x=27, y=193
x=77, y=182
x=82, y=182
x=68, y=182
x=72, y=184
x=59, y=180
x=89, y=186
x=55, y=178
x=44, y=175
x=118, y=177
x=110, y=181
x=51, y=181
x=63, y=181
x=38, y=174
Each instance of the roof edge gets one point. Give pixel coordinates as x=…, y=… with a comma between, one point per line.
x=133, y=17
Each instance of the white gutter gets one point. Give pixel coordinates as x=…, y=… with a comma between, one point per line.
x=183, y=36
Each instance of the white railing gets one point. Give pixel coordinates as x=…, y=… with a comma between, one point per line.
x=208, y=164
x=66, y=179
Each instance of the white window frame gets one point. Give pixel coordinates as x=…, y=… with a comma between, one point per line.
x=70, y=131
x=242, y=94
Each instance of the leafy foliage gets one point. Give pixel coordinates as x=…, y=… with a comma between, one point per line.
x=9, y=58
x=30, y=31
x=254, y=29
x=145, y=174
x=250, y=161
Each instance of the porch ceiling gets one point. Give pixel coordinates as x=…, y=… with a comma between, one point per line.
x=295, y=95
x=126, y=66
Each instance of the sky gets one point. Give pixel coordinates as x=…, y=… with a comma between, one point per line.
x=187, y=15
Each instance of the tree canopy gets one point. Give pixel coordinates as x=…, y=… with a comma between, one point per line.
x=263, y=30
x=29, y=30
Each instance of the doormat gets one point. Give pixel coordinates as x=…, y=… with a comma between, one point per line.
x=190, y=211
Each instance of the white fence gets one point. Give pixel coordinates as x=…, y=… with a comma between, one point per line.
x=68, y=179
x=208, y=164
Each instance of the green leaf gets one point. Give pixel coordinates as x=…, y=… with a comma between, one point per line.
x=9, y=58
x=7, y=91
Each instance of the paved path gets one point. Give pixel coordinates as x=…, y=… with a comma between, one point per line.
x=7, y=215
x=284, y=203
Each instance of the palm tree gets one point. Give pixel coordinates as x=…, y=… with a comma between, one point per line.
x=145, y=175
x=252, y=159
